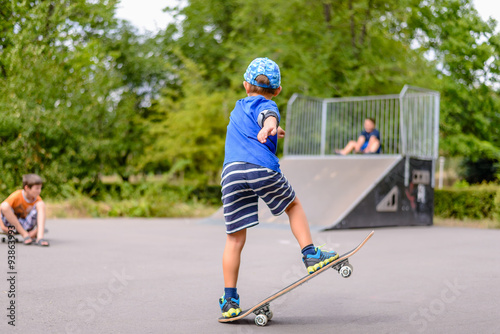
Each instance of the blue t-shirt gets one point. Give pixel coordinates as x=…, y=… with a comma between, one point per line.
x=368, y=135
x=241, y=138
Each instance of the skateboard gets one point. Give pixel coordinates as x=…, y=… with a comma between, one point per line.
x=5, y=237
x=262, y=311
x=17, y=238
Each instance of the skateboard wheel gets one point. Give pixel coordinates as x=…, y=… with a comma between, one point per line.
x=346, y=271
x=269, y=315
x=261, y=320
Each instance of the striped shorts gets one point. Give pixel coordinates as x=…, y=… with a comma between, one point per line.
x=242, y=185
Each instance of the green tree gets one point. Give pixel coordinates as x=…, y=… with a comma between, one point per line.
x=65, y=112
x=467, y=57
x=143, y=67
x=189, y=128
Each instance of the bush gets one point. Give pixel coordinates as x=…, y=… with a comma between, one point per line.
x=481, y=170
x=497, y=206
x=482, y=202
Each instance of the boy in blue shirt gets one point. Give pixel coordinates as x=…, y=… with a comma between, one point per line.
x=368, y=140
x=251, y=170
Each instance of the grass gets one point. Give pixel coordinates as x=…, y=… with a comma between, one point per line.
x=86, y=208
x=450, y=222
x=150, y=198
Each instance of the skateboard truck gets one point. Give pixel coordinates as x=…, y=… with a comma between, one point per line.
x=344, y=268
x=13, y=238
x=263, y=315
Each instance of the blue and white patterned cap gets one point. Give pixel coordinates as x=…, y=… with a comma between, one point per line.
x=263, y=66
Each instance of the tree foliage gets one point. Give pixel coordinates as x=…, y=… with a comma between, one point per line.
x=189, y=128
x=467, y=57
x=71, y=108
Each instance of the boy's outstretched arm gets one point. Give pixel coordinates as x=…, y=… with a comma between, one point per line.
x=281, y=132
x=270, y=128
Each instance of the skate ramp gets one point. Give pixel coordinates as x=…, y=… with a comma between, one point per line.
x=329, y=188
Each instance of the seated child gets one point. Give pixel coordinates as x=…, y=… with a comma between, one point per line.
x=24, y=211
x=368, y=141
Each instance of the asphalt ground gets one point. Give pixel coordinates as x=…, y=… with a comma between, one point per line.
x=165, y=276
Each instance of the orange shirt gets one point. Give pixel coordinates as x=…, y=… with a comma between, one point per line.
x=21, y=207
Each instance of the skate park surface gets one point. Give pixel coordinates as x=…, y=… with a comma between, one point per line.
x=165, y=276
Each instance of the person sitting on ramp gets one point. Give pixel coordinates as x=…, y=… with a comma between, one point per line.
x=368, y=140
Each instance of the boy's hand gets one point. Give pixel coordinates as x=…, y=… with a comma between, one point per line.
x=281, y=132
x=269, y=129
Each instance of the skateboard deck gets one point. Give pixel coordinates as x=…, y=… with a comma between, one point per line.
x=262, y=310
x=15, y=237
x=4, y=237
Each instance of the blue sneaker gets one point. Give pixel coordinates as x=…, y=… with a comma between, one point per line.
x=230, y=308
x=319, y=260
